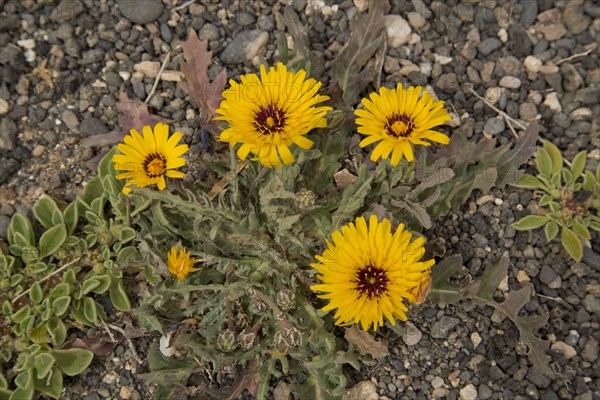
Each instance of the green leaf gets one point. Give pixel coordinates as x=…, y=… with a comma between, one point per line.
x=51, y=388
x=20, y=315
x=25, y=379
x=530, y=222
x=544, y=162
x=589, y=181
x=57, y=330
x=104, y=281
x=51, y=240
x=571, y=243
x=43, y=362
x=22, y=394
x=551, y=229
x=62, y=289
x=36, y=294
x=106, y=166
x=44, y=210
x=72, y=361
x=554, y=155
x=529, y=181
x=89, y=285
x=90, y=309
x=118, y=295
x=127, y=234
x=61, y=305
x=20, y=225
x=545, y=200
x=581, y=231
x=71, y=216
x=578, y=164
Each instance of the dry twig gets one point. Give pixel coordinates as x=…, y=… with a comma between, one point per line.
x=162, y=68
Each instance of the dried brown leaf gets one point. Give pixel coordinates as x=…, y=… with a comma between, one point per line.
x=100, y=345
x=366, y=343
x=136, y=115
x=197, y=84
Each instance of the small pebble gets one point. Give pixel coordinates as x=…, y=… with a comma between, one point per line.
x=38, y=150
x=565, y=349
x=469, y=392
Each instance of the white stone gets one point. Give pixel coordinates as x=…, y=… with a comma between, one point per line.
x=503, y=35
x=30, y=56
x=4, y=107
x=362, y=5
x=397, y=29
x=437, y=382
x=532, y=64
x=565, y=349
x=412, y=334
x=365, y=390
x=498, y=201
x=552, y=102
x=254, y=47
x=510, y=82
x=475, y=339
x=493, y=94
x=416, y=20
x=148, y=68
x=469, y=392
x=172, y=76
x=27, y=44
x=583, y=113
x=442, y=60
x=125, y=75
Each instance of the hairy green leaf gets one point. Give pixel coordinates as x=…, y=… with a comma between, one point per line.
x=571, y=243
x=581, y=231
x=52, y=239
x=118, y=295
x=578, y=164
x=52, y=387
x=72, y=361
x=529, y=181
x=555, y=157
x=44, y=210
x=530, y=222
x=20, y=225
x=550, y=230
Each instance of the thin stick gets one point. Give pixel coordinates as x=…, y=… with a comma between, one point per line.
x=112, y=338
x=184, y=5
x=162, y=68
x=223, y=182
x=585, y=53
x=67, y=265
x=129, y=342
x=512, y=129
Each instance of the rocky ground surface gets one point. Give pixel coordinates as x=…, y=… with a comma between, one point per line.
x=64, y=63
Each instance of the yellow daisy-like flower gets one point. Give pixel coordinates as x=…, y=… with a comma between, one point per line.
x=367, y=272
x=399, y=118
x=180, y=263
x=148, y=159
x=268, y=114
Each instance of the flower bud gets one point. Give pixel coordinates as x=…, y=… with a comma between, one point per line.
x=258, y=306
x=226, y=341
x=247, y=340
x=305, y=199
x=288, y=338
x=286, y=299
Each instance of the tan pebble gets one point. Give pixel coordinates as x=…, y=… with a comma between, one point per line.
x=125, y=392
x=522, y=276
x=38, y=150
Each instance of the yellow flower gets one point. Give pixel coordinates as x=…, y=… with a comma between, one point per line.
x=269, y=114
x=180, y=263
x=148, y=159
x=399, y=118
x=367, y=272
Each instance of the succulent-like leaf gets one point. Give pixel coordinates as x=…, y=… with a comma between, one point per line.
x=25, y=379
x=43, y=363
x=544, y=162
x=530, y=222
x=118, y=295
x=20, y=225
x=22, y=393
x=52, y=387
x=44, y=210
x=52, y=239
x=556, y=160
x=528, y=181
x=581, y=231
x=571, y=243
x=90, y=310
x=578, y=164
x=60, y=305
x=72, y=361
x=550, y=230
x=36, y=293
x=57, y=330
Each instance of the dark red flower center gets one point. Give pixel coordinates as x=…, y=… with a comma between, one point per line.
x=371, y=281
x=399, y=125
x=269, y=120
x=154, y=165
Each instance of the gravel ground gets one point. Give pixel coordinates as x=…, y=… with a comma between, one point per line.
x=64, y=63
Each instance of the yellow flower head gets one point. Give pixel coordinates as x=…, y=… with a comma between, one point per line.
x=148, y=159
x=399, y=118
x=269, y=113
x=180, y=263
x=368, y=271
